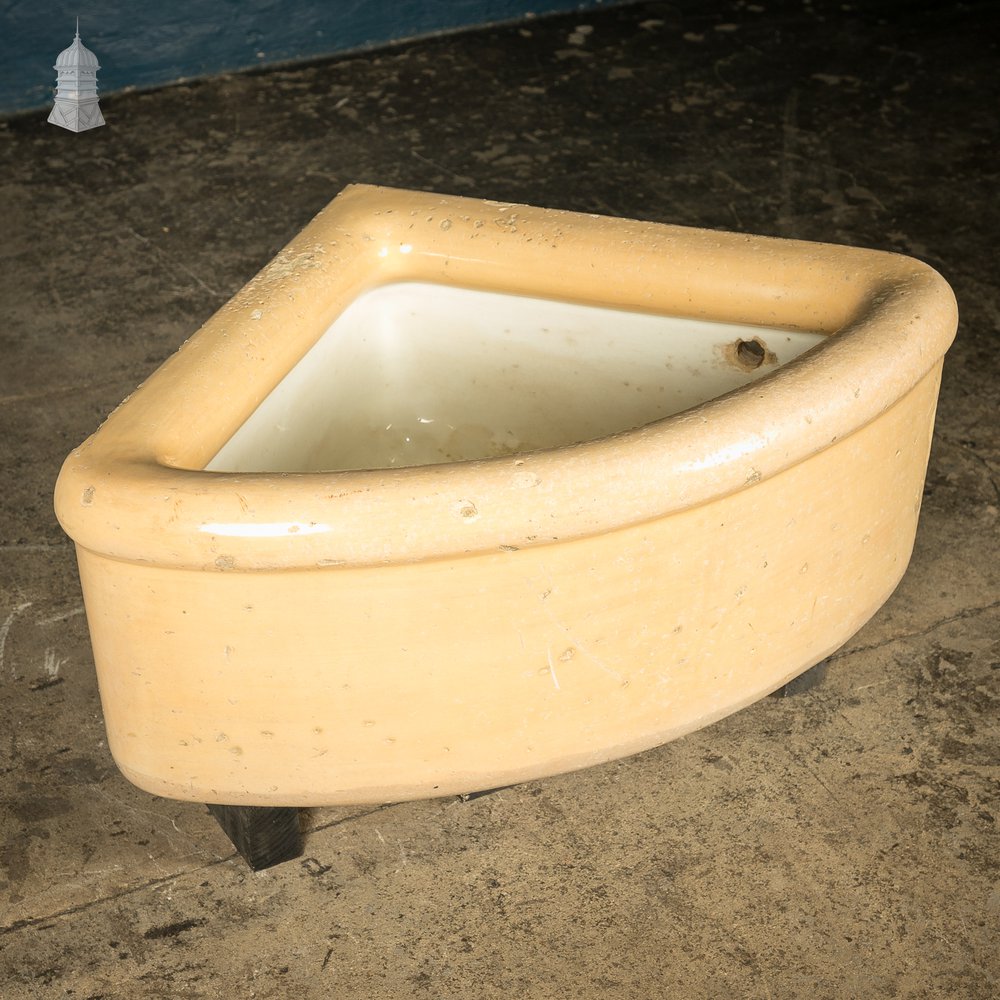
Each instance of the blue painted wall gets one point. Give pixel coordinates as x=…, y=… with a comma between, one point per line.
x=143, y=43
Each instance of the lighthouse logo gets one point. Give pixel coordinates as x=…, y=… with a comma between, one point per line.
x=76, y=107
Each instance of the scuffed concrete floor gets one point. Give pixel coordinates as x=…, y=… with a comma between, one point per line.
x=842, y=843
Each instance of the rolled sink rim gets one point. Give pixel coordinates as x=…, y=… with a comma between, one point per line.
x=137, y=490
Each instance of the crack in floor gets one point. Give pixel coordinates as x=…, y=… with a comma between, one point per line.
x=961, y=616
x=27, y=922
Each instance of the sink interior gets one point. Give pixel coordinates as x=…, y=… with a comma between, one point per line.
x=415, y=373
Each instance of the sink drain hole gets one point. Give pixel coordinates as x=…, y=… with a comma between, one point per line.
x=750, y=353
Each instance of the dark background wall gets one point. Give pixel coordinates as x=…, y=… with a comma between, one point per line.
x=144, y=43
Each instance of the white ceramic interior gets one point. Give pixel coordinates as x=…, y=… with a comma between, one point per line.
x=416, y=373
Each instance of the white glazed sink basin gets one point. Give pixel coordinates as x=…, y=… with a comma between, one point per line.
x=416, y=374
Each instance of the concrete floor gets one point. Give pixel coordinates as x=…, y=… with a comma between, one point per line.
x=842, y=843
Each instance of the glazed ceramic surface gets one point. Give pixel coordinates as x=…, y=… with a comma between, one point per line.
x=457, y=493
x=418, y=373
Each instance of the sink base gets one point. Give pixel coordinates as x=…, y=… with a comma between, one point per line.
x=265, y=836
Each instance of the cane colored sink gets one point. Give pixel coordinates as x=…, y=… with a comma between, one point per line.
x=455, y=494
